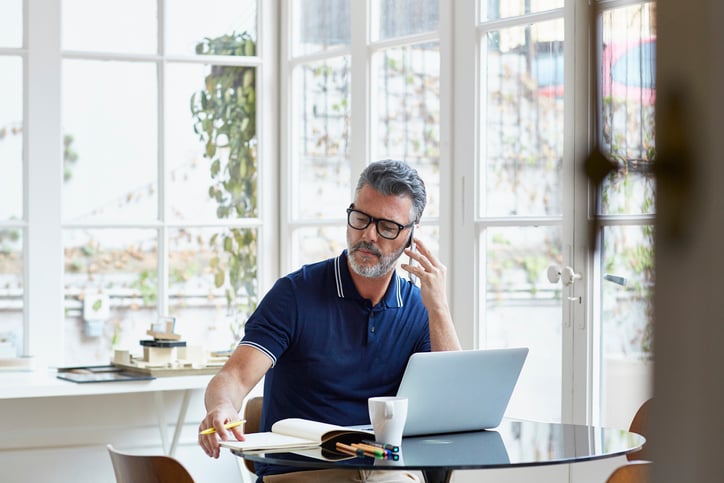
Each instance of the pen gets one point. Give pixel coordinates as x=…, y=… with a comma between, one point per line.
x=352, y=450
x=372, y=449
x=390, y=447
x=385, y=453
x=230, y=425
x=358, y=449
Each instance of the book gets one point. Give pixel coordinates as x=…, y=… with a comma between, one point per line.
x=298, y=434
x=107, y=373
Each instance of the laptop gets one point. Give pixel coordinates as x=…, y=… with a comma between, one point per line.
x=455, y=391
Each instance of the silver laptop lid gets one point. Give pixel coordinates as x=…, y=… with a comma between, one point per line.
x=459, y=390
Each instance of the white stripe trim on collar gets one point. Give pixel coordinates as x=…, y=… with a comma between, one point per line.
x=338, y=277
x=398, y=293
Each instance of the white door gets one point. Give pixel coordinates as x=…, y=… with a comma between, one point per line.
x=537, y=279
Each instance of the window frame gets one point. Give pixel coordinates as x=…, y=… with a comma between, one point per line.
x=43, y=317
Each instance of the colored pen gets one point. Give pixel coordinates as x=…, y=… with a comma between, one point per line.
x=352, y=450
x=390, y=447
x=372, y=449
x=230, y=425
x=386, y=453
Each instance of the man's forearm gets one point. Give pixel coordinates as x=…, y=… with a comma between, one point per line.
x=224, y=389
x=443, y=336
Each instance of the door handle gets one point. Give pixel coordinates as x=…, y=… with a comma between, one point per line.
x=566, y=275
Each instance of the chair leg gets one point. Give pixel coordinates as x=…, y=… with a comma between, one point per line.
x=246, y=475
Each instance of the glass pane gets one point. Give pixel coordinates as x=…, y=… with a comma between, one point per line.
x=11, y=24
x=320, y=25
x=628, y=94
x=127, y=26
x=523, y=309
x=397, y=18
x=217, y=179
x=313, y=244
x=203, y=270
x=11, y=138
x=321, y=124
x=497, y=9
x=627, y=268
x=110, y=124
x=188, y=22
x=110, y=289
x=407, y=117
x=522, y=129
x=11, y=292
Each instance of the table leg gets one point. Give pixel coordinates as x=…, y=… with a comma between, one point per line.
x=161, y=417
x=439, y=475
x=180, y=421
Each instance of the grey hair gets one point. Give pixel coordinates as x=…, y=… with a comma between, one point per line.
x=391, y=177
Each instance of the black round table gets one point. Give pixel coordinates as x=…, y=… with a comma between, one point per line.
x=515, y=443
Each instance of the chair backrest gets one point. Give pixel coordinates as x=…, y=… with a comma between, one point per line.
x=131, y=468
x=640, y=424
x=633, y=472
x=252, y=415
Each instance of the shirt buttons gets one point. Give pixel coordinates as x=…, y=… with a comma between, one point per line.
x=372, y=329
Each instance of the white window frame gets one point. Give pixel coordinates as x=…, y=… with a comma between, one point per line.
x=43, y=318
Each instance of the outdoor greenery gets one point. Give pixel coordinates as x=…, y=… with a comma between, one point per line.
x=224, y=115
x=627, y=137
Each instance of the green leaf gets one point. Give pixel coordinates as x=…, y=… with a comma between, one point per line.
x=249, y=47
x=214, y=262
x=215, y=168
x=210, y=149
x=219, y=277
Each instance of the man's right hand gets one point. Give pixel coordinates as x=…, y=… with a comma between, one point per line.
x=225, y=394
x=216, y=419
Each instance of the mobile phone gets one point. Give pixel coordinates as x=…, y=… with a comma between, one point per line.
x=411, y=244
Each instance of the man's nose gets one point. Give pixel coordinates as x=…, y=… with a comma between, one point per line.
x=370, y=233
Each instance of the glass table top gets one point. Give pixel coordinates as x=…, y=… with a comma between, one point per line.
x=514, y=443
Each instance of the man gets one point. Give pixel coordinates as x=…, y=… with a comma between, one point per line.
x=337, y=332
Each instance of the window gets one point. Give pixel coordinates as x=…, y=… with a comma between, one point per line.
x=151, y=160
x=507, y=206
x=521, y=171
x=12, y=215
x=160, y=199
x=400, y=115
x=625, y=264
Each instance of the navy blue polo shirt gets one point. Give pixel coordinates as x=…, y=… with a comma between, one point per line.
x=330, y=348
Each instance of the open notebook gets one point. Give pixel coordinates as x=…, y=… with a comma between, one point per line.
x=296, y=433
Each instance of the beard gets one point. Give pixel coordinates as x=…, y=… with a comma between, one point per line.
x=384, y=265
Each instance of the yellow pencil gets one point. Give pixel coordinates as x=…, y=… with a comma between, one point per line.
x=230, y=425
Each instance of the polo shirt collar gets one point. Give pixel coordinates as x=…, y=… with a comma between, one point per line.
x=346, y=289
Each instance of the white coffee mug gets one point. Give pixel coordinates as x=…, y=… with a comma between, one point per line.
x=388, y=415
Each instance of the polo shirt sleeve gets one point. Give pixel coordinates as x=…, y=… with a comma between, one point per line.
x=270, y=327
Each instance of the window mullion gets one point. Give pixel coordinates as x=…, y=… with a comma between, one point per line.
x=359, y=151
x=43, y=182
x=465, y=113
x=163, y=232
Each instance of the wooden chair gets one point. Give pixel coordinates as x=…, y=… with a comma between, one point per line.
x=252, y=415
x=639, y=424
x=130, y=468
x=633, y=472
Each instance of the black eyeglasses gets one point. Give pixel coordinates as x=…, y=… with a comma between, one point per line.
x=359, y=220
